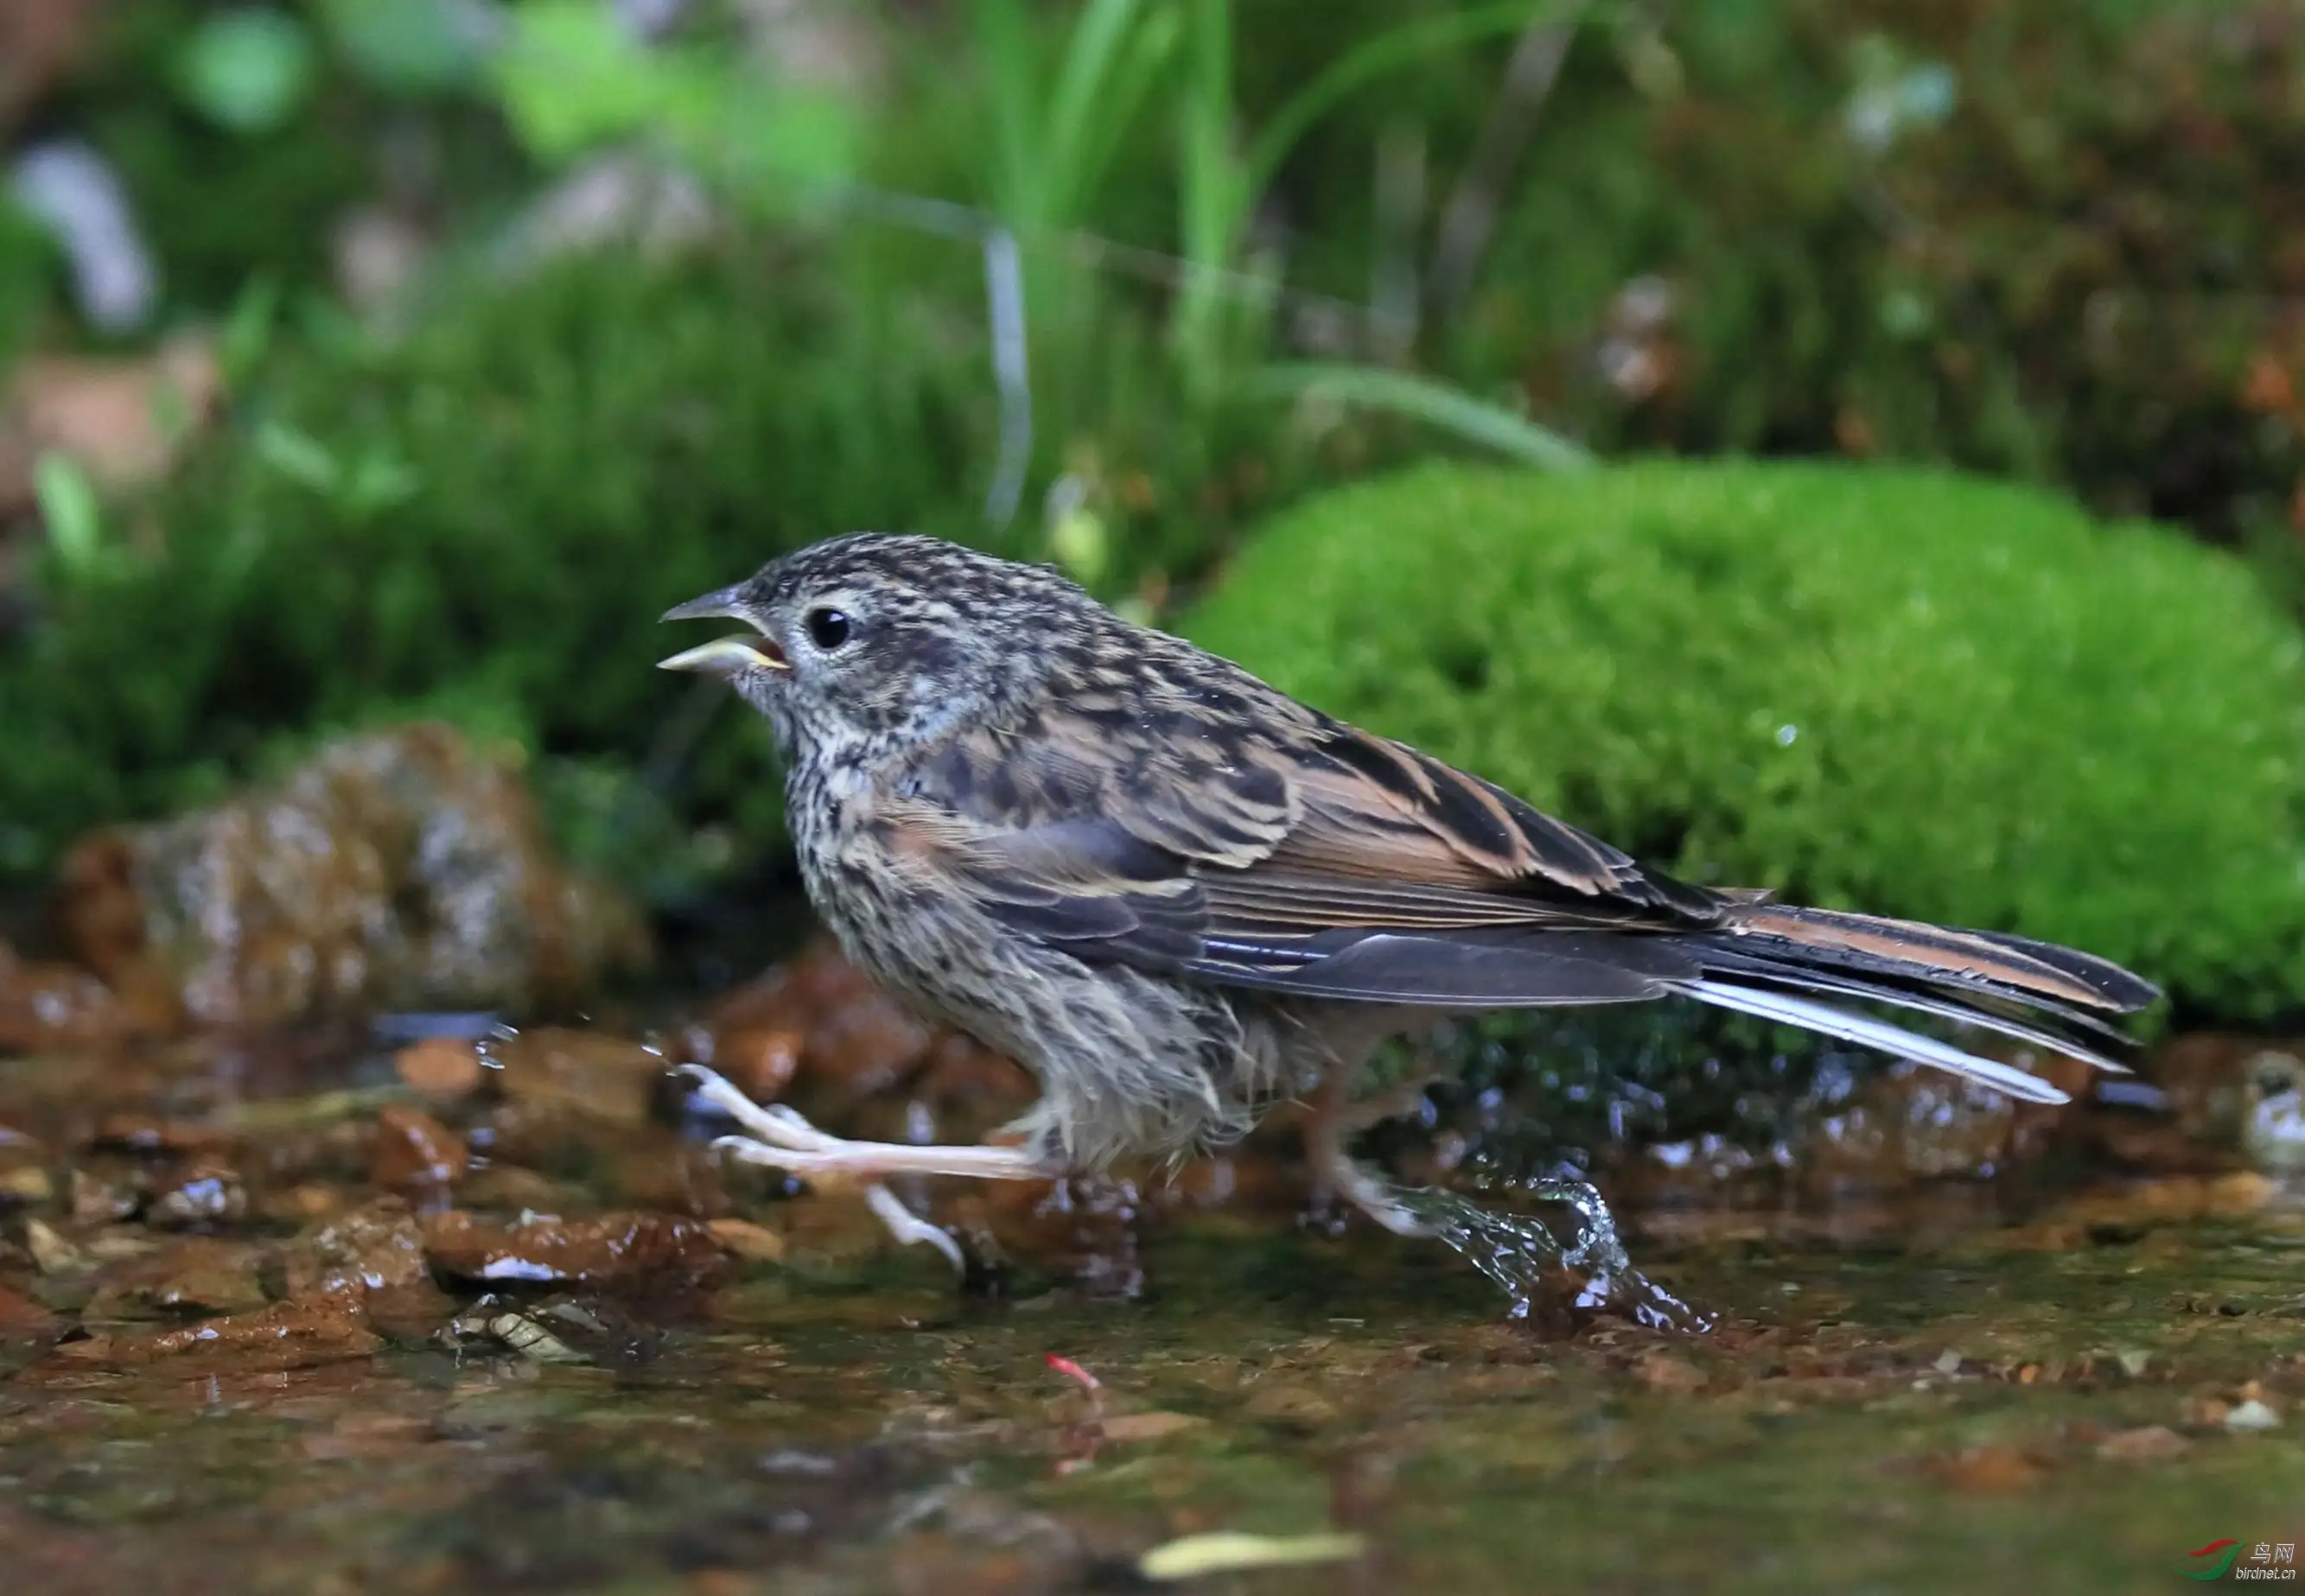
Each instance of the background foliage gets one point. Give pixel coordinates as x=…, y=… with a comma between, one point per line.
x=526, y=318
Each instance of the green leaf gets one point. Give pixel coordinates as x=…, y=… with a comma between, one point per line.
x=247, y=71
x=248, y=328
x=1435, y=403
x=297, y=455
x=412, y=46
x=571, y=80
x=68, y=510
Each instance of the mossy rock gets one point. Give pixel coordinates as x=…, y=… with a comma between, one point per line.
x=1901, y=690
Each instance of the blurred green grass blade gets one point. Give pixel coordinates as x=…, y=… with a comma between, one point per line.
x=1363, y=65
x=1096, y=42
x=1422, y=399
x=68, y=510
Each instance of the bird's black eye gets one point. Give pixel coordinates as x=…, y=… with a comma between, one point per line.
x=827, y=629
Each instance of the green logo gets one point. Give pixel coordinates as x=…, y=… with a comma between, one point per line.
x=2211, y=1561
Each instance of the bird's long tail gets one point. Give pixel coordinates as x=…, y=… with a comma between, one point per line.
x=1790, y=964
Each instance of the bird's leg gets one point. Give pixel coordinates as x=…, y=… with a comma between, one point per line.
x=1335, y=1116
x=782, y=1138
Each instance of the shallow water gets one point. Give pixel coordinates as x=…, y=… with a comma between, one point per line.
x=2004, y=1409
x=362, y=1312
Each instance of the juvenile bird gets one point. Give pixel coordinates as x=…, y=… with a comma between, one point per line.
x=1177, y=894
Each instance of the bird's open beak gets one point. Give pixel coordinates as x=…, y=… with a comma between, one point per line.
x=723, y=656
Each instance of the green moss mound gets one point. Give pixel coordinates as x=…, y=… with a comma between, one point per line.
x=1896, y=690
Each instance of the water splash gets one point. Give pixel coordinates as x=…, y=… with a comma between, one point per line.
x=1516, y=1251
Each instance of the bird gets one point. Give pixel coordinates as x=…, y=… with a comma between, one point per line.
x=1180, y=896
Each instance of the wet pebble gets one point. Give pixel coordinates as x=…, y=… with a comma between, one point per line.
x=201, y=1194
x=370, y=1249
x=605, y=1078
x=2150, y=1443
x=192, y=1275
x=607, y=1250
x=413, y=1151
x=284, y=1336
x=440, y=1067
x=57, y=1008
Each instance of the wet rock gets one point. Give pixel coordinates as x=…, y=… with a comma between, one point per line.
x=2115, y=1209
x=2204, y=1081
x=24, y=1184
x=203, y=1193
x=370, y=1249
x=760, y=1062
x=151, y=1135
x=24, y=1319
x=291, y=1335
x=413, y=1151
x=95, y=1199
x=1123, y=1428
x=508, y=1188
x=2152, y=1443
x=611, y=1249
x=969, y=1091
x=2252, y=1413
x=1990, y=1470
x=192, y=1276
x=856, y=1041
x=440, y=1067
x=52, y=1254
x=605, y=1078
x=748, y=1241
x=398, y=869
x=1909, y=1124
x=2273, y=1117
x=1661, y=1371
x=57, y=1008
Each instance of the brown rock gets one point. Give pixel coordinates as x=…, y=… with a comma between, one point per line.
x=605, y=1078
x=150, y=1134
x=20, y=1316
x=203, y=1193
x=608, y=1249
x=56, y=1007
x=401, y=869
x=748, y=1241
x=413, y=1150
x=192, y=1275
x=1990, y=1470
x=1146, y=1427
x=95, y=1200
x=1911, y=1124
x=1661, y=1371
x=761, y=1063
x=370, y=1249
x=2152, y=1443
x=23, y=1181
x=291, y=1335
x=440, y=1067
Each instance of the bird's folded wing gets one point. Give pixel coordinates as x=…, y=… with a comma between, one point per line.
x=1345, y=868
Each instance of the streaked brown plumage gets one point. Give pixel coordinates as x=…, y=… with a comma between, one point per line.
x=1176, y=893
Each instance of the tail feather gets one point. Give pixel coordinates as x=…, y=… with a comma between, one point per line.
x=1894, y=1040
x=2029, y=991
x=2011, y=966
x=2053, y=1026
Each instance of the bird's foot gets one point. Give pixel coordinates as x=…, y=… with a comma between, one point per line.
x=782, y=1138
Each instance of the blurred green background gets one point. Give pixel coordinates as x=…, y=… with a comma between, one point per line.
x=368, y=360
